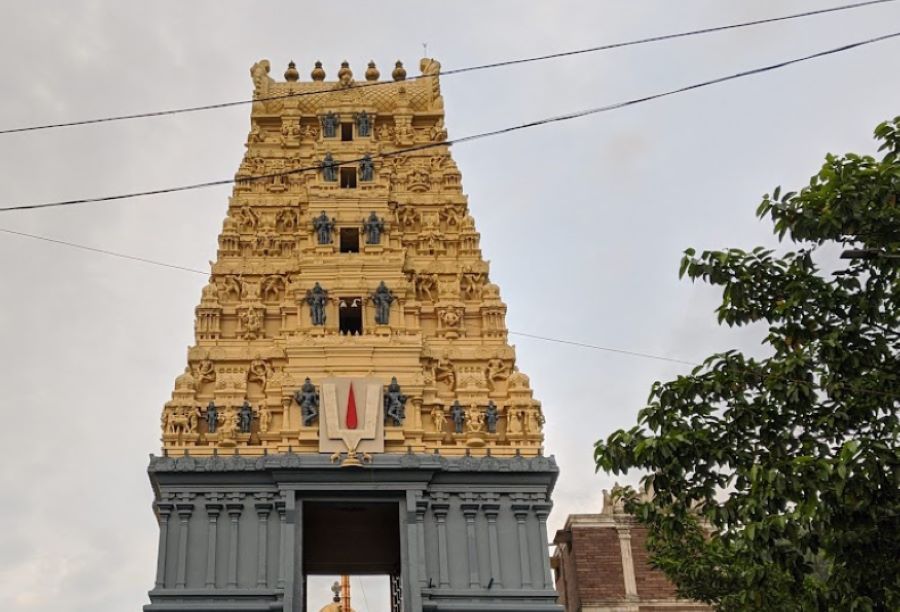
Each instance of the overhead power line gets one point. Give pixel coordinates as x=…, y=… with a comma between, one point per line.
x=103, y=251
x=513, y=62
x=498, y=132
x=604, y=348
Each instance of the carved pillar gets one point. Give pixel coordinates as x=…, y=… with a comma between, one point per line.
x=627, y=560
x=263, y=508
x=213, y=509
x=163, y=511
x=235, y=506
x=281, y=507
x=440, y=510
x=421, y=508
x=491, y=510
x=521, y=513
x=542, y=510
x=470, y=511
x=184, y=508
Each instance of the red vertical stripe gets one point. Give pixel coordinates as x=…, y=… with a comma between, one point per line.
x=351, y=410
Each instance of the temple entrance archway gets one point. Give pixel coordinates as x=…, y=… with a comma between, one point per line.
x=359, y=538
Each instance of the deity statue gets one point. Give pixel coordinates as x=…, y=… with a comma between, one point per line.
x=443, y=372
x=324, y=227
x=205, y=370
x=316, y=298
x=265, y=418
x=260, y=371
x=308, y=399
x=458, y=415
x=383, y=298
x=230, y=423
x=373, y=227
x=245, y=417
x=395, y=402
x=252, y=322
x=363, y=124
x=439, y=419
x=366, y=168
x=491, y=415
x=212, y=417
x=497, y=370
x=329, y=125
x=514, y=421
x=329, y=168
x=474, y=419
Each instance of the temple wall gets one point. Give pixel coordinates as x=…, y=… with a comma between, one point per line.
x=479, y=522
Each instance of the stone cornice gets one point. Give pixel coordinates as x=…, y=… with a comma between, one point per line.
x=237, y=463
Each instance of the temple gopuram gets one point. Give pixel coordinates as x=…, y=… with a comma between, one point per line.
x=351, y=404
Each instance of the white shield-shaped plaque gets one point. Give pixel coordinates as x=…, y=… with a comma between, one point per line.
x=352, y=416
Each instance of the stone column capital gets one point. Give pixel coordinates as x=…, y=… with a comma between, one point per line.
x=469, y=510
x=491, y=510
x=521, y=511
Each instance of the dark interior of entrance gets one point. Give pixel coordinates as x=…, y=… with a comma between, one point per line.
x=351, y=538
x=350, y=315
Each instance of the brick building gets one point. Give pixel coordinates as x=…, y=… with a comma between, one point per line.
x=601, y=564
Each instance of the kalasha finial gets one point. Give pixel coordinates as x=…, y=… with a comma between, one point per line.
x=318, y=73
x=291, y=73
x=372, y=73
x=345, y=74
x=399, y=72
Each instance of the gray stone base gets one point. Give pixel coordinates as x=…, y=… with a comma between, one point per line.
x=472, y=531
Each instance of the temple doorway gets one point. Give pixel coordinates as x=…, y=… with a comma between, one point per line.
x=356, y=543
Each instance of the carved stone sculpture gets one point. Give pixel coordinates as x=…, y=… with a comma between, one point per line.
x=366, y=168
x=307, y=397
x=363, y=124
x=474, y=419
x=260, y=371
x=439, y=419
x=382, y=298
x=497, y=371
x=316, y=298
x=251, y=320
x=212, y=417
x=229, y=422
x=394, y=402
x=324, y=227
x=205, y=370
x=373, y=227
x=329, y=168
x=458, y=415
x=245, y=417
x=329, y=125
x=265, y=419
x=491, y=415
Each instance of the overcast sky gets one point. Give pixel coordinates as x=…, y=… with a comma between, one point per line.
x=583, y=222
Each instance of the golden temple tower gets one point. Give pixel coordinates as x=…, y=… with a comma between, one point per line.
x=350, y=322
x=366, y=265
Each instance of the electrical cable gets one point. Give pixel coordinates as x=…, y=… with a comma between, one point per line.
x=104, y=251
x=513, y=62
x=470, y=138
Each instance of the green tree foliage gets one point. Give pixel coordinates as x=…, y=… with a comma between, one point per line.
x=777, y=481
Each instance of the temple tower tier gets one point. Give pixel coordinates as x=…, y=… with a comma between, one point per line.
x=351, y=376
